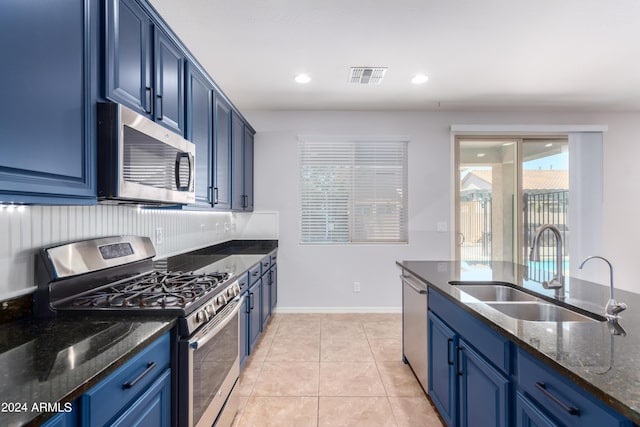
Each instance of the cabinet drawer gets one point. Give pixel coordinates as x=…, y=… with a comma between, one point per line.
x=254, y=273
x=118, y=390
x=243, y=282
x=562, y=398
x=266, y=263
x=495, y=347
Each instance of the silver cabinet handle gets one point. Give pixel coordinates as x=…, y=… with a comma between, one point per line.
x=413, y=286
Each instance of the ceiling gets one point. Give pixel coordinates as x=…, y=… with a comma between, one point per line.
x=479, y=55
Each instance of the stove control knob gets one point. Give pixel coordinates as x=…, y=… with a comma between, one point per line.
x=201, y=316
x=231, y=292
x=221, y=300
x=209, y=310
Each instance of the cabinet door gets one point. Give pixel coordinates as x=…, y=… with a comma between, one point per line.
x=129, y=52
x=222, y=155
x=245, y=313
x=47, y=118
x=199, y=130
x=152, y=409
x=484, y=392
x=266, y=299
x=529, y=415
x=169, y=83
x=273, y=282
x=237, y=161
x=255, y=320
x=248, y=169
x=442, y=374
x=64, y=419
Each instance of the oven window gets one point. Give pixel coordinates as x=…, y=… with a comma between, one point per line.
x=211, y=364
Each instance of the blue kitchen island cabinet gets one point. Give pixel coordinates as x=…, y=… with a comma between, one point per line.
x=47, y=117
x=144, y=67
x=469, y=367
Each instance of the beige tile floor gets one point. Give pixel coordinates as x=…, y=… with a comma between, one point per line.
x=331, y=370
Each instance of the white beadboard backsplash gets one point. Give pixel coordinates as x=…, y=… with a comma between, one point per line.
x=25, y=229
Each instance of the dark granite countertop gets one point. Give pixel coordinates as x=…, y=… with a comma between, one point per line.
x=58, y=360
x=606, y=365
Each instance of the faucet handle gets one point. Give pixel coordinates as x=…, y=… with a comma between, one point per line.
x=555, y=283
x=613, y=308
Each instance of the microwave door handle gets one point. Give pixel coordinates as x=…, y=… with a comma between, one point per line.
x=179, y=185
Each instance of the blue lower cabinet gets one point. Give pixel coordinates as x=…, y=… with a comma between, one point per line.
x=483, y=391
x=137, y=393
x=152, y=409
x=64, y=419
x=465, y=387
x=245, y=312
x=529, y=415
x=442, y=373
x=266, y=300
x=255, y=318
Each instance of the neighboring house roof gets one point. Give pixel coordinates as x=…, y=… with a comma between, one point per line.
x=548, y=179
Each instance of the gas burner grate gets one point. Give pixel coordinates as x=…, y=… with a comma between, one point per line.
x=157, y=289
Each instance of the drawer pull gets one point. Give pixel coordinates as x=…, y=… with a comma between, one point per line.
x=459, y=366
x=255, y=273
x=449, y=342
x=131, y=384
x=570, y=409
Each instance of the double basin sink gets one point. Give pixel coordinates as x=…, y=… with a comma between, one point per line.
x=522, y=305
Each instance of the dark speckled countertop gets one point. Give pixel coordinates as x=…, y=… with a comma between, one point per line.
x=58, y=360
x=607, y=366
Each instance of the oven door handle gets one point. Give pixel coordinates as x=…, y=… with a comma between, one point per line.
x=212, y=333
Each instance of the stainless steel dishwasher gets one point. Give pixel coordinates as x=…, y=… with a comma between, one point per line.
x=415, y=341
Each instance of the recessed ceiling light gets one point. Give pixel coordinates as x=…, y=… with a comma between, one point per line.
x=548, y=145
x=481, y=154
x=419, y=79
x=302, y=78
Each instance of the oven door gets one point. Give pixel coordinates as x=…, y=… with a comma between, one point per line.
x=210, y=367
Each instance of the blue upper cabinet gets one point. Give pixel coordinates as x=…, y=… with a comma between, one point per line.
x=222, y=154
x=129, y=80
x=169, y=96
x=46, y=117
x=200, y=131
x=248, y=169
x=144, y=67
x=242, y=171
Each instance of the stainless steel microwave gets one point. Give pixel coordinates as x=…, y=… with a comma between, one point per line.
x=139, y=161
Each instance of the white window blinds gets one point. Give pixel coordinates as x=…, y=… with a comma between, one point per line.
x=353, y=191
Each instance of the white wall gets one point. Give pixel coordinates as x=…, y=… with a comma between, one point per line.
x=317, y=277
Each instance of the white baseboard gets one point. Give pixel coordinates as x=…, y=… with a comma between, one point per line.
x=360, y=310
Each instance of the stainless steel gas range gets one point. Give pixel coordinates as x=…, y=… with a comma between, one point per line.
x=115, y=276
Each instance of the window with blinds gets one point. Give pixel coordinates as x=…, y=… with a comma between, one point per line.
x=353, y=191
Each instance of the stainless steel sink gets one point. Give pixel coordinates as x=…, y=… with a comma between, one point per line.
x=520, y=305
x=496, y=293
x=539, y=312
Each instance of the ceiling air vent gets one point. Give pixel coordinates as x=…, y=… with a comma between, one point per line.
x=366, y=75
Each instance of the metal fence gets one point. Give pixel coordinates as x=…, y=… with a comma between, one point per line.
x=545, y=208
x=475, y=230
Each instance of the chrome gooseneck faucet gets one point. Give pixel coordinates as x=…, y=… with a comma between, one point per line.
x=613, y=307
x=558, y=280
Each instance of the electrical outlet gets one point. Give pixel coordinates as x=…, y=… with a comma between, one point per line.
x=356, y=286
x=442, y=227
x=159, y=236
x=217, y=228
x=226, y=227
